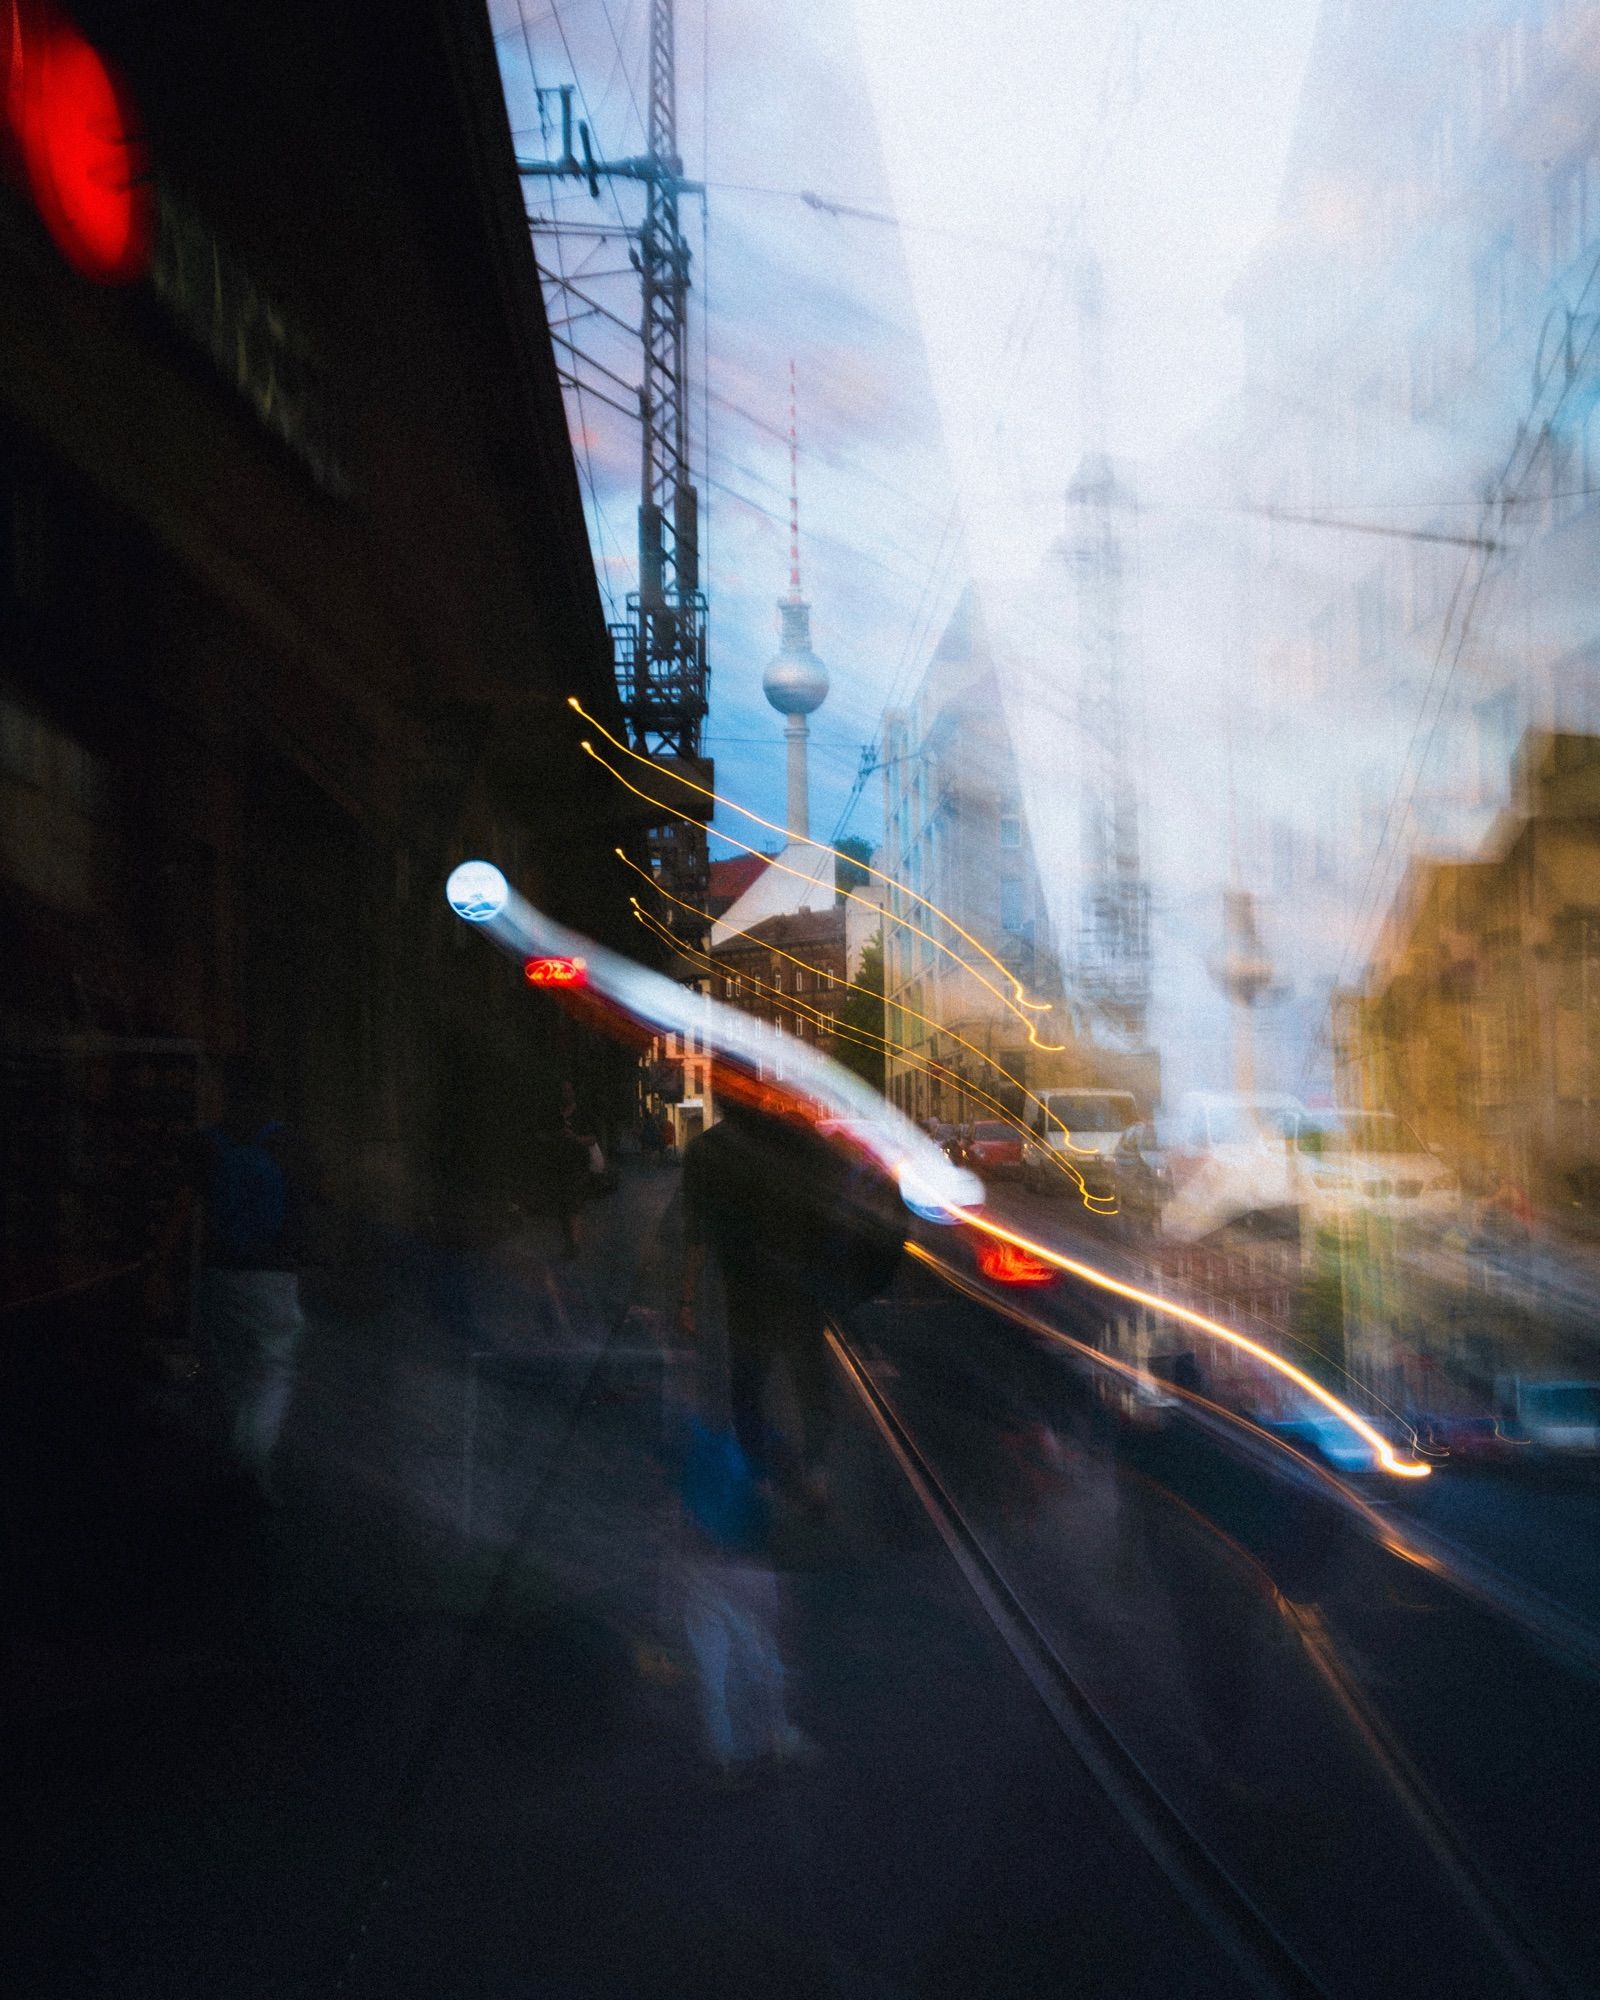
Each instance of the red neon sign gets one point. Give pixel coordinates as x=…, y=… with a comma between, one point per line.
x=76, y=127
x=556, y=972
x=1005, y=1264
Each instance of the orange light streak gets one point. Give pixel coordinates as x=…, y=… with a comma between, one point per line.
x=772, y=826
x=1103, y=1281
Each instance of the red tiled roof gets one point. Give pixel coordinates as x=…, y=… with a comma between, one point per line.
x=728, y=880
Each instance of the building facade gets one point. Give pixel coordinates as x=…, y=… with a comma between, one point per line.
x=1480, y=1023
x=1404, y=528
x=294, y=584
x=956, y=834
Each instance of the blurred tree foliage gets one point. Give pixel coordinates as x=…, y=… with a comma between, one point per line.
x=863, y=1011
x=852, y=874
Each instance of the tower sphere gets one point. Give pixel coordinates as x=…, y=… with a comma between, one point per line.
x=796, y=682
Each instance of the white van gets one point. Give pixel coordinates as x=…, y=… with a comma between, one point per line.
x=1095, y=1121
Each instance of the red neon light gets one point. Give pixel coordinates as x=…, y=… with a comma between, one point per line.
x=556, y=972
x=1005, y=1264
x=76, y=127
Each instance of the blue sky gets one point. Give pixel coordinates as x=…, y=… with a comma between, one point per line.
x=980, y=129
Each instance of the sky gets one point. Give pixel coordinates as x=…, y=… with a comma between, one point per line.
x=940, y=413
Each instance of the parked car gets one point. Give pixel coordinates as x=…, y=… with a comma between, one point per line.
x=1319, y=1434
x=994, y=1148
x=1475, y=1439
x=1139, y=1170
x=1372, y=1162
x=1095, y=1121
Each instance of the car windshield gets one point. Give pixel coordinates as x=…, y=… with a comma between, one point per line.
x=1358, y=1132
x=991, y=1128
x=1090, y=1111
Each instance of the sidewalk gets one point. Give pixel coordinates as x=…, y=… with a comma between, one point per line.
x=447, y=1748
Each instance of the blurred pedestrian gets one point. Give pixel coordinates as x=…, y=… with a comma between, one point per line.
x=574, y=1150
x=246, y=1184
x=797, y=1232
x=650, y=1139
x=731, y=1609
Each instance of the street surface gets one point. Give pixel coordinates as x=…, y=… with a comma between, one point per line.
x=433, y=1731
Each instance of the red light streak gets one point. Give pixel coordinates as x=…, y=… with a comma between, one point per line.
x=1006, y=1264
x=77, y=130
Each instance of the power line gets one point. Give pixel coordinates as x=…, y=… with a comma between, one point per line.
x=1375, y=885
x=578, y=387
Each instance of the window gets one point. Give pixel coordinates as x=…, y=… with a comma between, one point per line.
x=1590, y=457
x=1011, y=917
x=1439, y=151
x=1283, y=845
x=1496, y=721
x=1423, y=572
x=1566, y=474
x=1367, y=415
x=1322, y=650
x=1010, y=830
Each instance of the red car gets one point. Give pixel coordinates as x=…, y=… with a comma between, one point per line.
x=994, y=1148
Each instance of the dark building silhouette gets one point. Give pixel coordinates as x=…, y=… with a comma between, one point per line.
x=294, y=585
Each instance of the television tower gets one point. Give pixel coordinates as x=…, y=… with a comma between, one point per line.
x=1114, y=952
x=796, y=681
x=660, y=647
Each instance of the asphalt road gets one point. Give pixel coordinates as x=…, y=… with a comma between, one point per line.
x=1399, y=1775
x=1538, y=1528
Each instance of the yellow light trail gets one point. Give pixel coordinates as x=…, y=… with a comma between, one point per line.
x=854, y=986
x=905, y=923
x=773, y=827
x=865, y=1038
x=1400, y=1468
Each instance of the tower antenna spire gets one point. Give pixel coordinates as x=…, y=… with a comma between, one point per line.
x=794, y=488
x=796, y=682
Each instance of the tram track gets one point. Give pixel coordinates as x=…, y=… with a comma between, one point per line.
x=1264, y=1957
x=1268, y=1965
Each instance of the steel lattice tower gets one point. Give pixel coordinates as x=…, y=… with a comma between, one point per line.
x=660, y=647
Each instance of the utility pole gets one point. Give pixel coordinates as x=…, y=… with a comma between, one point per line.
x=660, y=647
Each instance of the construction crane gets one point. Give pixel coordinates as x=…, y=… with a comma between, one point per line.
x=660, y=646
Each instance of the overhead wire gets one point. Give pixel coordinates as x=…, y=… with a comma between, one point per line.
x=604, y=567
x=1376, y=884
